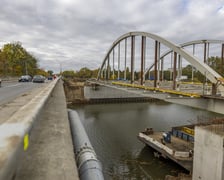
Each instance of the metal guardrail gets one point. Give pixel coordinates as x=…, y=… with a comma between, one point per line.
x=195, y=95
x=89, y=166
x=15, y=132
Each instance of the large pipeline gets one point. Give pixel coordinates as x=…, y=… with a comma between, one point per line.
x=89, y=166
x=14, y=133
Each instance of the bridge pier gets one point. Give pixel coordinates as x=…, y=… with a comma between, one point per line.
x=174, y=70
x=143, y=60
x=132, y=58
x=155, y=64
x=222, y=59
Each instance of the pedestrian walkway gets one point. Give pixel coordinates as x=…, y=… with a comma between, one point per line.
x=50, y=154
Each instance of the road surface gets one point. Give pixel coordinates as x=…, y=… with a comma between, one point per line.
x=10, y=90
x=15, y=95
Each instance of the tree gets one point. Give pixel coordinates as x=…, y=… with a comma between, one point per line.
x=84, y=73
x=95, y=73
x=68, y=74
x=3, y=64
x=41, y=72
x=50, y=72
x=213, y=62
x=216, y=64
x=15, y=60
x=187, y=71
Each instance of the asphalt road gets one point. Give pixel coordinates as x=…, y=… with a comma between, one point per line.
x=10, y=90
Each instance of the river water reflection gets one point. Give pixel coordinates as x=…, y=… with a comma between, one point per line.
x=113, y=129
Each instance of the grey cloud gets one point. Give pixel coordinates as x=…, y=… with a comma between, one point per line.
x=77, y=33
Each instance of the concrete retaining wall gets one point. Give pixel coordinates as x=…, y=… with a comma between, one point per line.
x=103, y=92
x=208, y=154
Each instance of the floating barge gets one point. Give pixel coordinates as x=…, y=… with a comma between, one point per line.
x=176, y=145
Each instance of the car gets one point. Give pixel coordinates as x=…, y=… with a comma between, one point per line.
x=38, y=79
x=50, y=78
x=25, y=78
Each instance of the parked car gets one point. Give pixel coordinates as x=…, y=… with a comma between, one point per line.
x=25, y=78
x=38, y=79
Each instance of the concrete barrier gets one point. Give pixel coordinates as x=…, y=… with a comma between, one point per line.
x=15, y=132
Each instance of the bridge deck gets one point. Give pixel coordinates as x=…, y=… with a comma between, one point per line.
x=50, y=153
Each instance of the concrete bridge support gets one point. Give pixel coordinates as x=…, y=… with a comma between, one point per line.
x=209, y=153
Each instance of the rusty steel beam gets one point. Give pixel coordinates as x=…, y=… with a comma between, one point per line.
x=155, y=62
x=222, y=60
x=142, y=59
x=179, y=67
x=205, y=50
x=132, y=57
x=105, y=72
x=208, y=52
x=158, y=61
x=101, y=74
x=162, y=70
x=118, y=71
x=171, y=66
x=108, y=68
x=174, y=70
x=113, y=63
x=125, y=59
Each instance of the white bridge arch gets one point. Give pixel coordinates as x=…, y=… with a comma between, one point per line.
x=215, y=78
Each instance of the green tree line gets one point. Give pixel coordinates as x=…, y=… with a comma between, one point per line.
x=83, y=73
x=214, y=62
x=16, y=61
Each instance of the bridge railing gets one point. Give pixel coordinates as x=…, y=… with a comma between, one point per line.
x=195, y=95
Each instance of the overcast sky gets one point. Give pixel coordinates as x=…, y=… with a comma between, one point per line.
x=78, y=33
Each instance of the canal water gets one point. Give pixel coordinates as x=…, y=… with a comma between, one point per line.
x=113, y=130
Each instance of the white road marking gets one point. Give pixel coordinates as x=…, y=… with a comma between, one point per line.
x=18, y=84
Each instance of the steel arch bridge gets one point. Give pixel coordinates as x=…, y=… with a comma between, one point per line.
x=206, y=44
x=178, y=52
